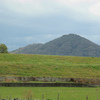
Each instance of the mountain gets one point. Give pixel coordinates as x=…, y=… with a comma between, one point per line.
x=29, y=49
x=70, y=45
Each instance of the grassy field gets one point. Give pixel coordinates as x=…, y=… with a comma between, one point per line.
x=49, y=66
x=65, y=93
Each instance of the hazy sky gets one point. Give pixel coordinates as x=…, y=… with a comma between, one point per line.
x=24, y=22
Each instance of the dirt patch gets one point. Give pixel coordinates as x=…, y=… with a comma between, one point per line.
x=85, y=80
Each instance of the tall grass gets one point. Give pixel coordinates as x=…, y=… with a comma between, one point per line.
x=49, y=66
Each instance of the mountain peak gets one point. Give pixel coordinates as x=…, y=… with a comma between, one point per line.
x=71, y=35
x=69, y=45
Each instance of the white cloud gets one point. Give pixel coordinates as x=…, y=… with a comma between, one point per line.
x=85, y=8
x=82, y=9
x=95, y=9
x=30, y=7
x=28, y=39
x=77, y=2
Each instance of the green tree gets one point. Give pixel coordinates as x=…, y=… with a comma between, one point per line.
x=3, y=48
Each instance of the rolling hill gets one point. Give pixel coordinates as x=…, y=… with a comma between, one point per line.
x=68, y=45
x=29, y=65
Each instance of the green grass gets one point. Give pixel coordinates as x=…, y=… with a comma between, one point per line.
x=65, y=93
x=49, y=66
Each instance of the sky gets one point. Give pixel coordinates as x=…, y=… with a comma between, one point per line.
x=24, y=22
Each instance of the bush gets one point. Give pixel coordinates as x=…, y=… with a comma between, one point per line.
x=3, y=48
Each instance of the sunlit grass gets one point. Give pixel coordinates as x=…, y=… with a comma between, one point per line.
x=49, y=66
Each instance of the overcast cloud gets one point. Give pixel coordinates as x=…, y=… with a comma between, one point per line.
x=24, y=22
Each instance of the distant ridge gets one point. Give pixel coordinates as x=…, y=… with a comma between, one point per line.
x=29, y=49
x=68, y=45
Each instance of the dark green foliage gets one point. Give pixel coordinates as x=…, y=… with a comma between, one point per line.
x=70, y=45
x=3, y=48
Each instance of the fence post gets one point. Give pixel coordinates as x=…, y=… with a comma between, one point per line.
x=10, y=97
x=42, y=96
x=87, y=98
x=30, y=97
x=7, y=98
x=97, y=94
x=58, y=97
x=0, y=96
